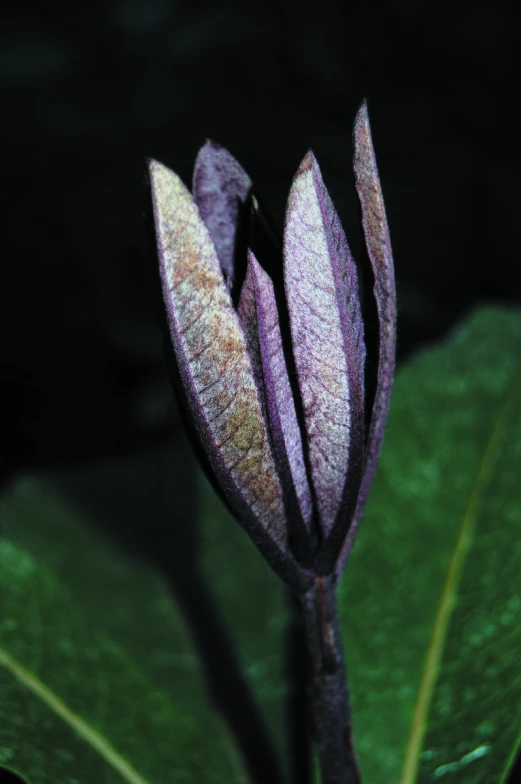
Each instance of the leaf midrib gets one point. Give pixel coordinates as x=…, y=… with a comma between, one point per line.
x=82, y=728
x=448, y=601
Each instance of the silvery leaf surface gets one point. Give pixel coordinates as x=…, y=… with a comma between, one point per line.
x=248, y=319
x=327, y=337
x=378, y=242
x=214, y=366
x=259, y=316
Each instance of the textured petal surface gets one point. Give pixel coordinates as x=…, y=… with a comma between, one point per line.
x=211, y=354
x=249, y=321
x=378, y=244
x=327, y=334
x=259, y=314
x=220, y=186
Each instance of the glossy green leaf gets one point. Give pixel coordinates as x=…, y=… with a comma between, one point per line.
x=98, y=680
x=432, y=596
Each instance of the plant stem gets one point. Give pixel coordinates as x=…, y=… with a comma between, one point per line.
x=328, y=694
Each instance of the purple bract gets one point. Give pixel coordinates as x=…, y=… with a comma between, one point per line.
x=274, y=384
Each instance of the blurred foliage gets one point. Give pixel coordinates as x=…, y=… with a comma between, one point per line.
x=84, y=628
x=432, y=597
x=431, y=605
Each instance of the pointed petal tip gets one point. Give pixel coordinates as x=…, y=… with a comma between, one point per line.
x=361, y=127
x=152, y=164
x=157, y=169
x=253, y=264
x=213, y=149
x=308, y=163
x=362, y=114
x=209, y=146
x=206, y=157
x=256, y=272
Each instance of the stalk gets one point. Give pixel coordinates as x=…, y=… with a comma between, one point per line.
x=328, y=693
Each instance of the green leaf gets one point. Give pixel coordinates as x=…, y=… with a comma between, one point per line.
x=432, y=596
x=98, y=680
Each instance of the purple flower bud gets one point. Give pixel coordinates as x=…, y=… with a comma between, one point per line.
x=275, y=385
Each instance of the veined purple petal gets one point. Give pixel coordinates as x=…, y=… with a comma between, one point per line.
x=220, y=186
x=259, y=317
x=327, y=335
x=249, y=320
x=213, y=362
x=378, y=244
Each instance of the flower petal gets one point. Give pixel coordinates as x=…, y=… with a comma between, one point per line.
x=327, y=331
x=215, y=370
x=247, y=312
x=378, y=244
x=259, y=318
x=220, y=187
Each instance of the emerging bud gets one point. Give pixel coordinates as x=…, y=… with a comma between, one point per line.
x=274, y=384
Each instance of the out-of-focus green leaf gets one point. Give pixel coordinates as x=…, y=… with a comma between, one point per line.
x=431, y=601
x=98, y=680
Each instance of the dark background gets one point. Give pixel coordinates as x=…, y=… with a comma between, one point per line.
x=92, y=88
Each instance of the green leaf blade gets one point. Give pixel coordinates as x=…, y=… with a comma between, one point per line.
x=446, y=478
x=79, y=703
x=475, y=711
x=30, y=685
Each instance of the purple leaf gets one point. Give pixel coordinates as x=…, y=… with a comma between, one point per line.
x=249, y=321
x=259, y=317
x=378, y=244
x=327, y=335
x=214, y=366
x=220, y=186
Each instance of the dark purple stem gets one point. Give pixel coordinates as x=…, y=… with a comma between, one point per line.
x=328, y=694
